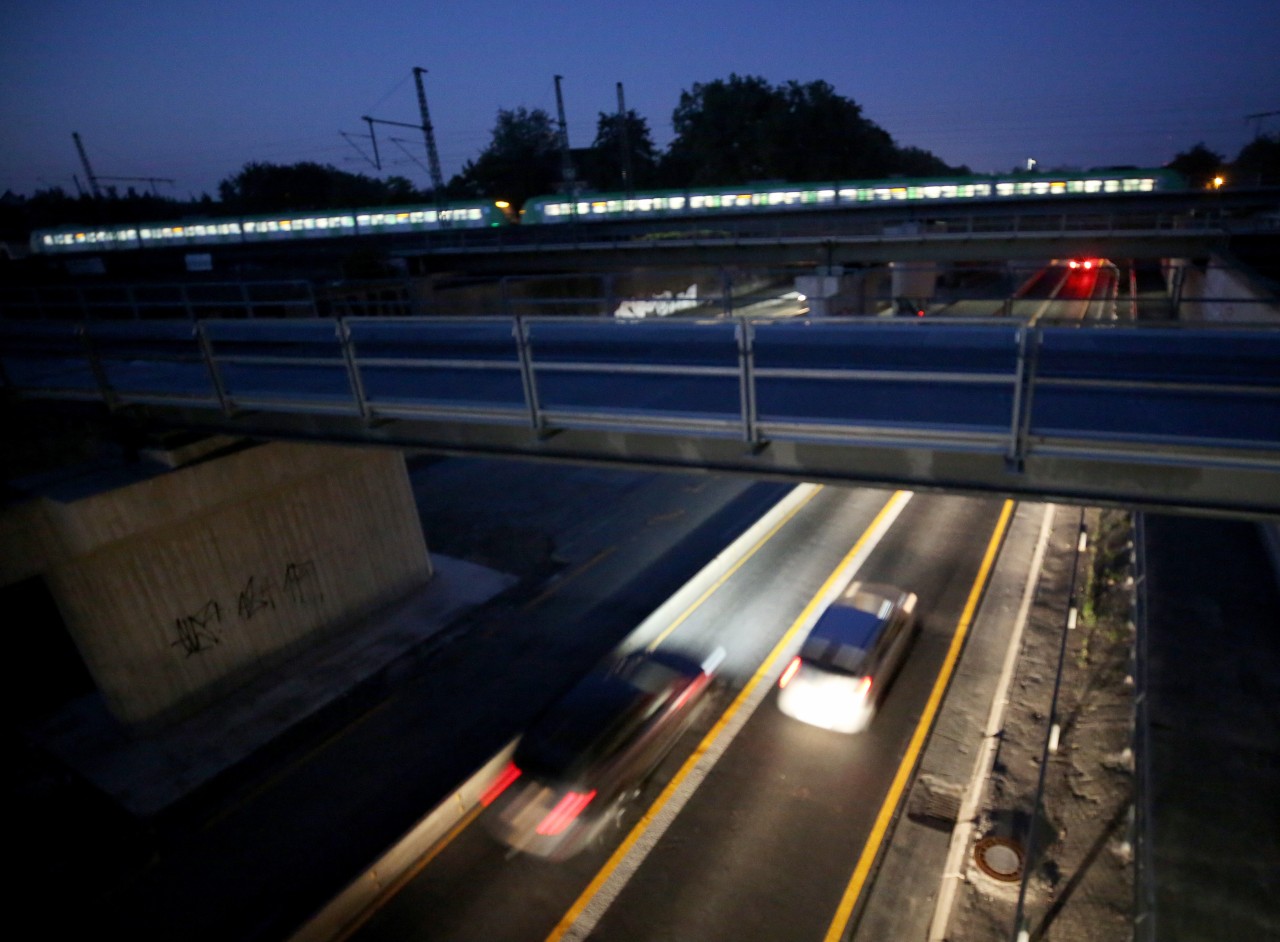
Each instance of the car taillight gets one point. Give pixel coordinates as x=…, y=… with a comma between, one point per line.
x=500, y=784
x=789, y=672
x=566, y=809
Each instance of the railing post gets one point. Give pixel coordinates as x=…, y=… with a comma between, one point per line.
x=99, y=372
x=744, y=333
x=206, y=351
x=529, y=380
x=1023, y=387
x=727, y=286
x=343, y=332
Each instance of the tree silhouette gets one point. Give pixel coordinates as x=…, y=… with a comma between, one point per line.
x=1199, y=165
x=270, y=188
x=522, y=160
x=602, y=165
x=742, y=129
x=1258, y=163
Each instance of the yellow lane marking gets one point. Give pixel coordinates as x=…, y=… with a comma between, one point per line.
x=840, y=923
x=575, y=911
x=696, y=604
x=556, y=587
x=390, y=890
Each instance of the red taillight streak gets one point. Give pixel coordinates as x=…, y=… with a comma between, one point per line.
x=566, y=809
x=864, y=687
x=500, y=784
x=789, y=672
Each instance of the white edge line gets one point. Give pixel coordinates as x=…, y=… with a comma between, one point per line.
x=951, y=872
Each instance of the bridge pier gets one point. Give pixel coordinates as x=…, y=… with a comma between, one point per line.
x=832, y=291
x=180, y=587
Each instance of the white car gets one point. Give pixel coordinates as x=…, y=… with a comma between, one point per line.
x=849, y=657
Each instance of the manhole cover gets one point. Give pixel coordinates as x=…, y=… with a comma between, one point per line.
x=999, y=858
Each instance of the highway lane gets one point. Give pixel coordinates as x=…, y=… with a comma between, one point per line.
x=776, y=830
x=1055, y=293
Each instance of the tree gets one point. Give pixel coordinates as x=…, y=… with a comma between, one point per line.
x=603, y=167
x=743, y=130
x=270, y=188
x=1258, y=163
x=1199, y=165
x=723, y=133
x=522, y=160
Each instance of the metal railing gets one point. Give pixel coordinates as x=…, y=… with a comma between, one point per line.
x=993, y=385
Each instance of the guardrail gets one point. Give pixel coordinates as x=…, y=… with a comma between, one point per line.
x=993, y=386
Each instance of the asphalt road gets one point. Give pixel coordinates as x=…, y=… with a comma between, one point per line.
x=766, y=844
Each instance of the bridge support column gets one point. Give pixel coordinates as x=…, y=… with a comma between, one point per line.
x=832, y=291
x=181, y=587
x=913, y=286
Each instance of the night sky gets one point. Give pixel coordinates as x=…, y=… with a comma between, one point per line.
x=193, y=91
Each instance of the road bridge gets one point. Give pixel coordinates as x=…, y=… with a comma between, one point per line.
x=1180, y=417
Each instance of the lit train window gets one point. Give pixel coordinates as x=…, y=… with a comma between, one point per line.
x=599, y=207
x=1057, y=187
x=1132, y=186
x=1146, y=184
x=1111, y=186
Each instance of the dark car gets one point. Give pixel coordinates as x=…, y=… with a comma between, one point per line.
x=583, y=759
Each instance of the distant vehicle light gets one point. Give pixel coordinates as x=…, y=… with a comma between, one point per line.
x=789, y=672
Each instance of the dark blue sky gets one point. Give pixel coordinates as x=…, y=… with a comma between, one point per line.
x=193, y=91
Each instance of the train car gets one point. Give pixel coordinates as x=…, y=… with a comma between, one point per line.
x=595, y=207
x=274, y=227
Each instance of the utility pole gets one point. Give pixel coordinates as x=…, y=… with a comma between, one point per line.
x=628, y=183
x=88, y=171
x=437, y=180
x=566, y=162
x=377, y=161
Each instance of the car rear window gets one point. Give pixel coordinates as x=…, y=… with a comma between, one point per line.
x=841, y=638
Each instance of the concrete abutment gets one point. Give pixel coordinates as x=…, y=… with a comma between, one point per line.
x=178, y=588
